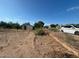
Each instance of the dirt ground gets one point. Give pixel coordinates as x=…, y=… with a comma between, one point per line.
x=25, y=44
x=69, y=39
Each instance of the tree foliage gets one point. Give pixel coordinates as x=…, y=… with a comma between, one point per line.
x=53, y=25
x=10, y=25
x=76, y=25
x=3, y=24
x=39, y=24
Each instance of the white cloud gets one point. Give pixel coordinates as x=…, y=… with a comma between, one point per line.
x=73, y=8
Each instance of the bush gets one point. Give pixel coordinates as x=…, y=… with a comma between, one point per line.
x=38, y=25
x=40, y=32
x=54, y=29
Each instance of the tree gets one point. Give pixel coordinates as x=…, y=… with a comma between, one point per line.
x=17, y=26
x=3, y=24
x=53, y=26
x=10, y=25
x=39, y=24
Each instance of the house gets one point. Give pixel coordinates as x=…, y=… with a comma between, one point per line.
x=27, y=26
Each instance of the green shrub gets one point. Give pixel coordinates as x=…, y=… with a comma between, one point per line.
x=54, y=29
x=40, y=32
x=38, y=25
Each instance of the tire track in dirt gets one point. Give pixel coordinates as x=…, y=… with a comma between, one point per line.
x=45, y=46
x=27, y=49
x=35, y=47
x=64, y=45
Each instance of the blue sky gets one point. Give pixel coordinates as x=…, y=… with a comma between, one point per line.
x=49, y=11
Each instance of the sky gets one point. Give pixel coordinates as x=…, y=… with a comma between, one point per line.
x=48, y=11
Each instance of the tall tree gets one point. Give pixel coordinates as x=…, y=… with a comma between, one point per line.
x=39, y=24
x=53, y=26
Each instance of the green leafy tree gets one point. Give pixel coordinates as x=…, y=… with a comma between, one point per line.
x=53, y=26
x=39, y=24
x=9, y=25
x=3, y=24
x=17, y=26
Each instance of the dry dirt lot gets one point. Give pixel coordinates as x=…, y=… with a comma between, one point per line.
x=25, y=44
x=72, y=41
